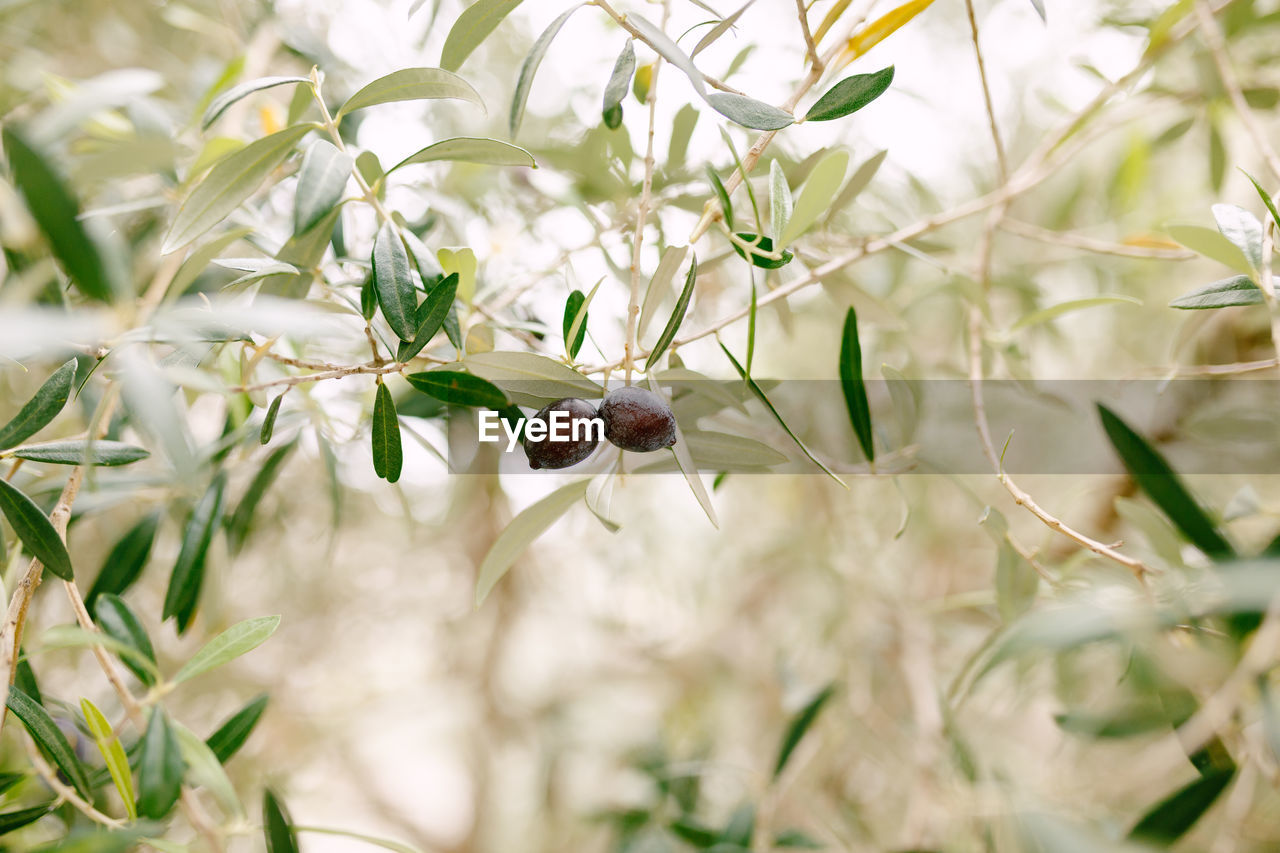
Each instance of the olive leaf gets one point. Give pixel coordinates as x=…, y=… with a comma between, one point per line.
x=411, y=84
x=232, y=734
x=119, y=622
x=473, y=26
x=239, y=639
x=183, y=594
x=677, y=315
x=238, y=526
x=49, y=738
x=470, y=149
x=393, y=283
x=269, y=420
x=616, y=89
x=321, y=179
x=80, y=452
x=429, y=317
x=36, y=531
x=799, y=725
x=42, y=408
x=458, y=388
x=1225, y=293
x=113, y=755
x=527, y=526
x=854, y=386
x=160, y=768
x=530, y=67
x=850, y=95
x=277, y=826
x=220, y=104
x=388, y=455
x=1170, y=819
x=125, y=561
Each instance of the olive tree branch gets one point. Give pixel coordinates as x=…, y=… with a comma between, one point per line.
x=65, y=792
x=1091, y=244
x=811, y=48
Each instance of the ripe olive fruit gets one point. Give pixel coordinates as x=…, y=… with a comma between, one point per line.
x=578, y=427
x=637, y=419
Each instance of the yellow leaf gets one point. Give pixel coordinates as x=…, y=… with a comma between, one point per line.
x=269, y=116
x=1147, y=241
x=880, y=29
x=830, y=19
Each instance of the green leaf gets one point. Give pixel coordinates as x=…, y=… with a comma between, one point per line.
x=204, y=770
x=799, y=725
x=429, y=317
x=276, y=825
x=385, y=843
x=616, y=89
x=8, y=780
x=183, y=594
x=780, y=203
x=683, y=453
x=693, y=831
x=14, y=820
x=850, y=95
x=1170, y=819
x=530, y=68
x=1154, y=476
x=411, y=84
x=1242, y=229
x=470, y=149
x=726, y=205
x=56, y=210
x=458, y=388
x=238, y=527
x=36, y=531
x=219, y=104
x=1211, y=244
x=527, y=526
x=762, y=244
x=393, y=283
x=572, y=308
x=232, y=180
x=42, y=408
x=737, y=833
x=126, y=560
x=660, y=284
x=1266, y=198
x=160, y=768
x=669, y=51
x=233, y=733
x=463, y=262
x=719, y=30
x=112, y=754
x=819, y=189
x=49, y=738
x=75, y=637
x=237, y=640
x=1016, y=582
x=1225, y=293
x=854, y=386
x=119, y=622
x=719, y=451
x=759, y=394
x=532, y=374
x=749, y=112
x=321, y=179
x=472, y=27
x=1114, y=724
x=796, y=840
x=388, y=456
x=99, y=452
x=1053, y=312
x=269, y=420
x=677, y=315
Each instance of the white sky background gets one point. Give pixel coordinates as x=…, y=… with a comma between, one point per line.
x=931, y=121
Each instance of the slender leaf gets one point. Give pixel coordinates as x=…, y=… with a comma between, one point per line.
x=726, y=206
x=819, y=189
x=854, y=387
x=204, y=770
x=15, y=820
x=125, y=561
x=470, y=149
x=100, y=452
x=532, y=374
x=759, y=394
x=751, y=325
x=799, y=725
x=429, y=317
x=473, y=27
x=458, y=388
x=677, y=315
x=749, y=112
x=42, y=408
x=219, y=105
x=183, y=594
x=669, y=51
x=737, y=833
x=321, y=179
x=1053, y=312
x=119, y=622
x=1266, y=198
x=1170, y=819
x=761, y=245
x=112, y=754
x=719, y=30
x=233, y=733
x=575, y=319
x=237, y=640
x=238, y=527
x=49, y=738
x=883, y=27
x=38, y=535
x=1242, y=229
x=411, y=84
x=269, y=420
x=616, y=89
x=386, y=843
x=1226, y=293
x=530, y=68
x=660, y=284
x=1154, y=476
x=276, y=824
x=850, y=95
x=527, y=526
x=56, y=210
x=232, y=180
x=75, y=637
x=682, y=451
x=393, y=283
x=1038, y=5
x=780, y=202
x=388, y=455
x=160, y=768
x=1211, y=244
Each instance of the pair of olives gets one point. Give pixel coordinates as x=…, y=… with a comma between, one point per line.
x=634, y=419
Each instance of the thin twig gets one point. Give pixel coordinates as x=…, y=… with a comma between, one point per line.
x=810, y=47
x=631, y=28
x=1091, y=244
x=64, y=791
x=334, y=373
x=1001, y=162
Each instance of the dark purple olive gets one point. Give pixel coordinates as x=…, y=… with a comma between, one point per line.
x=565, y=439
x=636, y=419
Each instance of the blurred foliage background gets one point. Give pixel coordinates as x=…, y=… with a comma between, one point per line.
x=632, y=690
